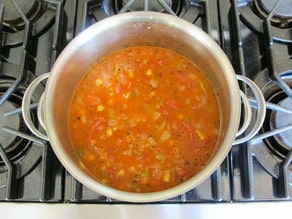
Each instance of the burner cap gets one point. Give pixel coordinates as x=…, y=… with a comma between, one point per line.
x=284, y=7
x=280, y=144
x=279, y=119
x=12, y=21
x=282, y=16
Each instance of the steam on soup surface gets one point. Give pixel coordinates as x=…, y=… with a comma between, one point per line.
x=144, y=119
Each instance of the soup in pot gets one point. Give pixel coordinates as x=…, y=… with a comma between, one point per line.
x=144, y=119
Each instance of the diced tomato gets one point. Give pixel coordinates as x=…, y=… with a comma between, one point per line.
x=172, y=104
x=96, y=125
x=92, y=100
x=164, y=112
x=160, y=62
x=118, y=88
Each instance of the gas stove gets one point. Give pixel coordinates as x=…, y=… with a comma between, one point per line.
x=254, y=34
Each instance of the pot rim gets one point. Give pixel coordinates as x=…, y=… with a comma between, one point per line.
x=212, y=165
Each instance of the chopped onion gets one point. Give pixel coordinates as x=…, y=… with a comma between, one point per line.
x=156, y=115
x=112, y=122
x=132, y=123
x=152, y=141
x=127, y=95
x=182, y=87
x=165, y=135
x=153, y=83
x=161, y=127
x=123, y=79
x=83, y=119
x=137, y=92
x=203, y=88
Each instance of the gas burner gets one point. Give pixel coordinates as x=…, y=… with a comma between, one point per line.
x=254, y=13
x=167, y=6
x=282, y=16
x=20, y=151
x=18, y=14
x=272, y=145
x=280, y=119
x=12, y=20
x=280, y=144
x=283, y=8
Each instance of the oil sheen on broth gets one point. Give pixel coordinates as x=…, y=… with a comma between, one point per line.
x=144, y=119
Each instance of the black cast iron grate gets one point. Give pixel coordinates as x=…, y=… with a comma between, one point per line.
x=261, y=50
x=36, y=175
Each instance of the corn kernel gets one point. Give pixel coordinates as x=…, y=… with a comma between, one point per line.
x=149, y=72
x=152, y=94
x=98, y=82
x=130, y=74
x=83, y=119
x=121, y=172
x=109, y=132
x=100, y=108
x=166, y=177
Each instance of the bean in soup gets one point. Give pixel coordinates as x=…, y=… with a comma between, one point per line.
x=144, y=119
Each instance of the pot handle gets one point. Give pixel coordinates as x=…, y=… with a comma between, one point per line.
x=260, y=115
x=26, y=110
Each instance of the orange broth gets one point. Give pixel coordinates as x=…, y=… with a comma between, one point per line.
x=144, y=119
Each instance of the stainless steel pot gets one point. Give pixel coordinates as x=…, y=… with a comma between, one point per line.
x=117, y=32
